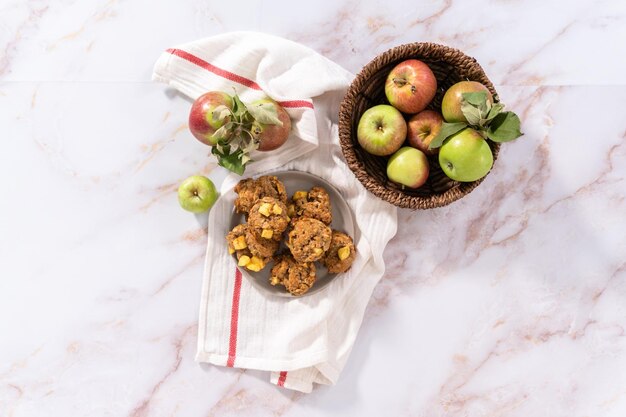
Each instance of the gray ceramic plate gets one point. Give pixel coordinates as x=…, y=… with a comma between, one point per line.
x=342, y=221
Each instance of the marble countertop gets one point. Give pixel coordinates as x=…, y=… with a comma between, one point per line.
x=510, y=302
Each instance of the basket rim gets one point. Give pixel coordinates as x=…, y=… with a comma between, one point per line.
x=395, y=196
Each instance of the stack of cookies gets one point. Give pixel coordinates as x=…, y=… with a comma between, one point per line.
x=305, y=219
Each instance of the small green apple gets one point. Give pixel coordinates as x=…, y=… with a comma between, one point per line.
x=381, y=130
x=197, y=194
x=409, y=167
x=465, y=156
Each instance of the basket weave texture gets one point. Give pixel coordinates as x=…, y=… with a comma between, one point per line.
x=368, y=89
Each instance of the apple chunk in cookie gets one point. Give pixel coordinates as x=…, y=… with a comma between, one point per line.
x=260, y=246
x=309, y=239
x=340, y=254
x=238, y=245
x=268, y=218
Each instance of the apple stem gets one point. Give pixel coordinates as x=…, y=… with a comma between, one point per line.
x=399, y=82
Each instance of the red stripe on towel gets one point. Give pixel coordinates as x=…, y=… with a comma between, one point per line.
x=232, y=76
x=212, y=68
x=296, y=103
x=234, y=320
x=281, y=379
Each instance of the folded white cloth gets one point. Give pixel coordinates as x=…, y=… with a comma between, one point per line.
x=302, y=340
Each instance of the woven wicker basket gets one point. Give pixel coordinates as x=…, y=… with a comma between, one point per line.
x=368, y=89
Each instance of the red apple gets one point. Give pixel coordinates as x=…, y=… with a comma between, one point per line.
x=410, y=86
x=271, y=136
x=202, y=123
x=451, y=103
x=422, y=129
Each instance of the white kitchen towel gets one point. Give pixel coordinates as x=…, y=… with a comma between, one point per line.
x=303, y=340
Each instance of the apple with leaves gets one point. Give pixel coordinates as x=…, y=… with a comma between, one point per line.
x=204, y=121
x=234, y=130
x=410, y=86
x=485, y=117
x=266, y=129
x=453, y=100
x=422, y=129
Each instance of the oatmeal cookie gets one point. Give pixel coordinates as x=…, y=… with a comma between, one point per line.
x=268, y=218
x=250, y=190
x=259, y=246
x=296, y=277
x=237, y=244
x=341, y=253
x=309, y=239
x=314, y=204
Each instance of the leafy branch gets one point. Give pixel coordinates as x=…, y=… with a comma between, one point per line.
x=235, y=139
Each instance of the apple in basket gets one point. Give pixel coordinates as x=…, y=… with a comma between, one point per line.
x=422, y=129
x=271, y=134
x=381, y=130
x=408, y=167
x=202, y=122
x=410, y=86
x=453, y=99
x=465, y=156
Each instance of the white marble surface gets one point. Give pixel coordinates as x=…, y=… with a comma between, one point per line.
x=511, y=302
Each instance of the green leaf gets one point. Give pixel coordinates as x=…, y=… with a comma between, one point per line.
x=472, y=114
x=239, y=108
x=252, y=145
x=447, y=130
x=225, y=132
x=230, y=161
x=495, y=110
x=475, y=108
x=220, y=112
x=477, y=99
x=504, y=127
x=245, y=159
x=265, y=113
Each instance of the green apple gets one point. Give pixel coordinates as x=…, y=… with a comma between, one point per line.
x=451, y=103
x=381, y=130
x=409, y=167
x=197, y=194
x=465, y=156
